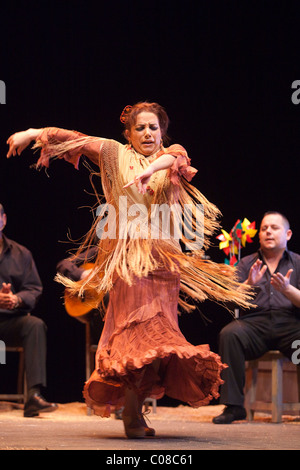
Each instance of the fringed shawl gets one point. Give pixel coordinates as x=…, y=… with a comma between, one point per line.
x=126, y=248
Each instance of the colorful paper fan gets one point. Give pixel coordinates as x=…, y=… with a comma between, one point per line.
x=225, y=242
x=248, y=231
x=231, y=243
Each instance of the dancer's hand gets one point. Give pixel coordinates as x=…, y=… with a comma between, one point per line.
x=20, y=140
x=161, y=163
x=141, y=181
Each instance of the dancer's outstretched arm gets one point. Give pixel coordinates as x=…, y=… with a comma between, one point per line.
x=89, y=146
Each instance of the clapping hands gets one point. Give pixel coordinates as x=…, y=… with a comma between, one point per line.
x=278, y=280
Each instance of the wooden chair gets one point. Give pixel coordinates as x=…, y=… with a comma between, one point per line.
x=150, y=402
x=276, y=406
x=21, y=380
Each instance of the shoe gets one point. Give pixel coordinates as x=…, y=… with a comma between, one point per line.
x=133, y=418
x=134, y=429
x=230, y=413
x=148, y=431
x=37, y=404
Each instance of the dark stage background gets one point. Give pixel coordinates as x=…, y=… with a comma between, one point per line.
x=222, y=69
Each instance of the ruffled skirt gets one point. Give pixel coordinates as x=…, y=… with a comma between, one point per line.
x=142, y=347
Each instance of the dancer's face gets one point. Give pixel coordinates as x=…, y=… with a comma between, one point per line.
x=145, y=134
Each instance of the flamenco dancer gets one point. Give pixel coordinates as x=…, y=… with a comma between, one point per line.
x=142, y=352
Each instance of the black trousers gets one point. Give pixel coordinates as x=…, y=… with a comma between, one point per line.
x=30, y=332
x=249, y=338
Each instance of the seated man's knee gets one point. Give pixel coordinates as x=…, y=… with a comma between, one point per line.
x=35, y=324
x=230, y=336
x=230, y=331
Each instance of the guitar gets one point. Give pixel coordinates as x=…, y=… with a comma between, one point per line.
x=80, y=307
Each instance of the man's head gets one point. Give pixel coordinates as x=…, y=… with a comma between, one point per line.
x=274, y=232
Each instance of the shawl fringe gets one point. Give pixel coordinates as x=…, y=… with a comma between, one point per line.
x=128, y=257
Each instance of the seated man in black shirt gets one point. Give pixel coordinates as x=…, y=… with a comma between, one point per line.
x=274, y=321
x=20, y=289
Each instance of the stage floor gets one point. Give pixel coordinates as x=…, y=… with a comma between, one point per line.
x=180, y=428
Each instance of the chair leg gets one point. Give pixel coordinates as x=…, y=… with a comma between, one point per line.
x=298, y=381
x=21, y=394
x=153, y=402
x=277, y=398
x=251, y=382
x=25, y=388
x=21, y=384
x=87, y=351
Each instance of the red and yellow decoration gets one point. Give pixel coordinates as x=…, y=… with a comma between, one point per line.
x=231, y=243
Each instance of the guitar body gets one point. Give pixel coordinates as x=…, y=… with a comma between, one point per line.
x=80, y=307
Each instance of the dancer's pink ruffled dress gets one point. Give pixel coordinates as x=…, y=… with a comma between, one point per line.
x=141, y=325
x=144, y=279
